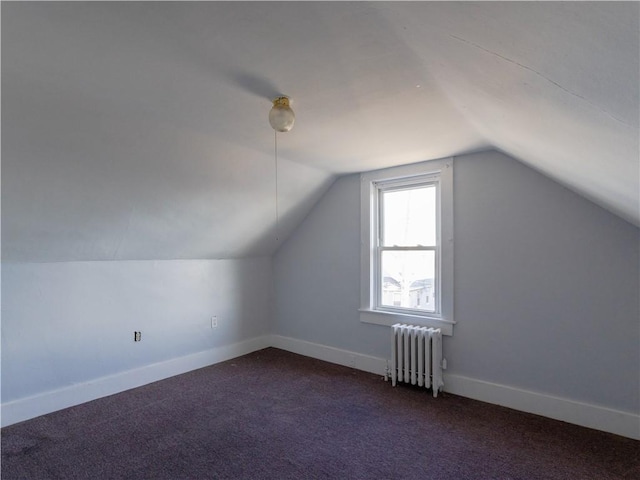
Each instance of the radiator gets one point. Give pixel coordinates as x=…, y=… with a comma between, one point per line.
x=416, y=356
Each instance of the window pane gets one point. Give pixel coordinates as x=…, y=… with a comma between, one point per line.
x=408, y=280
x=409, y=217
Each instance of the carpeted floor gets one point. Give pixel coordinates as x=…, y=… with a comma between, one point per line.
x=277, y=415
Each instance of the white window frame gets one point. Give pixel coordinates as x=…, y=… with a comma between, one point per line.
x=439, y=172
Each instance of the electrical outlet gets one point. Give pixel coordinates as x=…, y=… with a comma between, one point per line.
x=137, y=336
x=214, y=321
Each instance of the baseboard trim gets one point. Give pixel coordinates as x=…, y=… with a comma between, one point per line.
x=41, y=404
x=366, y=363
x=597, y=417
x=591, y=416
x=605, y=419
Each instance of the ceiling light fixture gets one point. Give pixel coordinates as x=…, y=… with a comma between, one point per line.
x=281, y=117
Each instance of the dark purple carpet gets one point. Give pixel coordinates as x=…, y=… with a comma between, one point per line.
x=276, y=415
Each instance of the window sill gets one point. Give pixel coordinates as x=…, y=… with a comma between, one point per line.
x=388, y=318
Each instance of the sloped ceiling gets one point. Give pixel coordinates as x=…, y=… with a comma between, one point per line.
x=138, y=130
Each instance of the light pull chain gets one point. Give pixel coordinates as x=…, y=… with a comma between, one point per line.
x=276, y=175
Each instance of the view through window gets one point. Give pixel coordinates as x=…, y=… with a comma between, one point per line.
x=408, y=247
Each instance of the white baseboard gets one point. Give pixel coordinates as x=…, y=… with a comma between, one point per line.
x=592, y=416
x=621, y=423
x=41, y=404
x=355, y=360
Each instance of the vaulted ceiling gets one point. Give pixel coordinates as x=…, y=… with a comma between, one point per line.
x=138, y=130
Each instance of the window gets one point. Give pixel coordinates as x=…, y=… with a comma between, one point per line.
x=407, y=245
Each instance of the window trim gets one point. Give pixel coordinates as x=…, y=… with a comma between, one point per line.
x=442, y=171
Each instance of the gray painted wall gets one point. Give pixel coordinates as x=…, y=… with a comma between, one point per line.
x=68, y=323
x=547, y=288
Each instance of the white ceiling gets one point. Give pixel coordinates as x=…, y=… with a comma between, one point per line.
x=138, y=130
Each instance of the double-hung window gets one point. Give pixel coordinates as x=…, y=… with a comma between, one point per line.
x=407, y=245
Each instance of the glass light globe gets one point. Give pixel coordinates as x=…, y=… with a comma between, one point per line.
x=281, y=117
